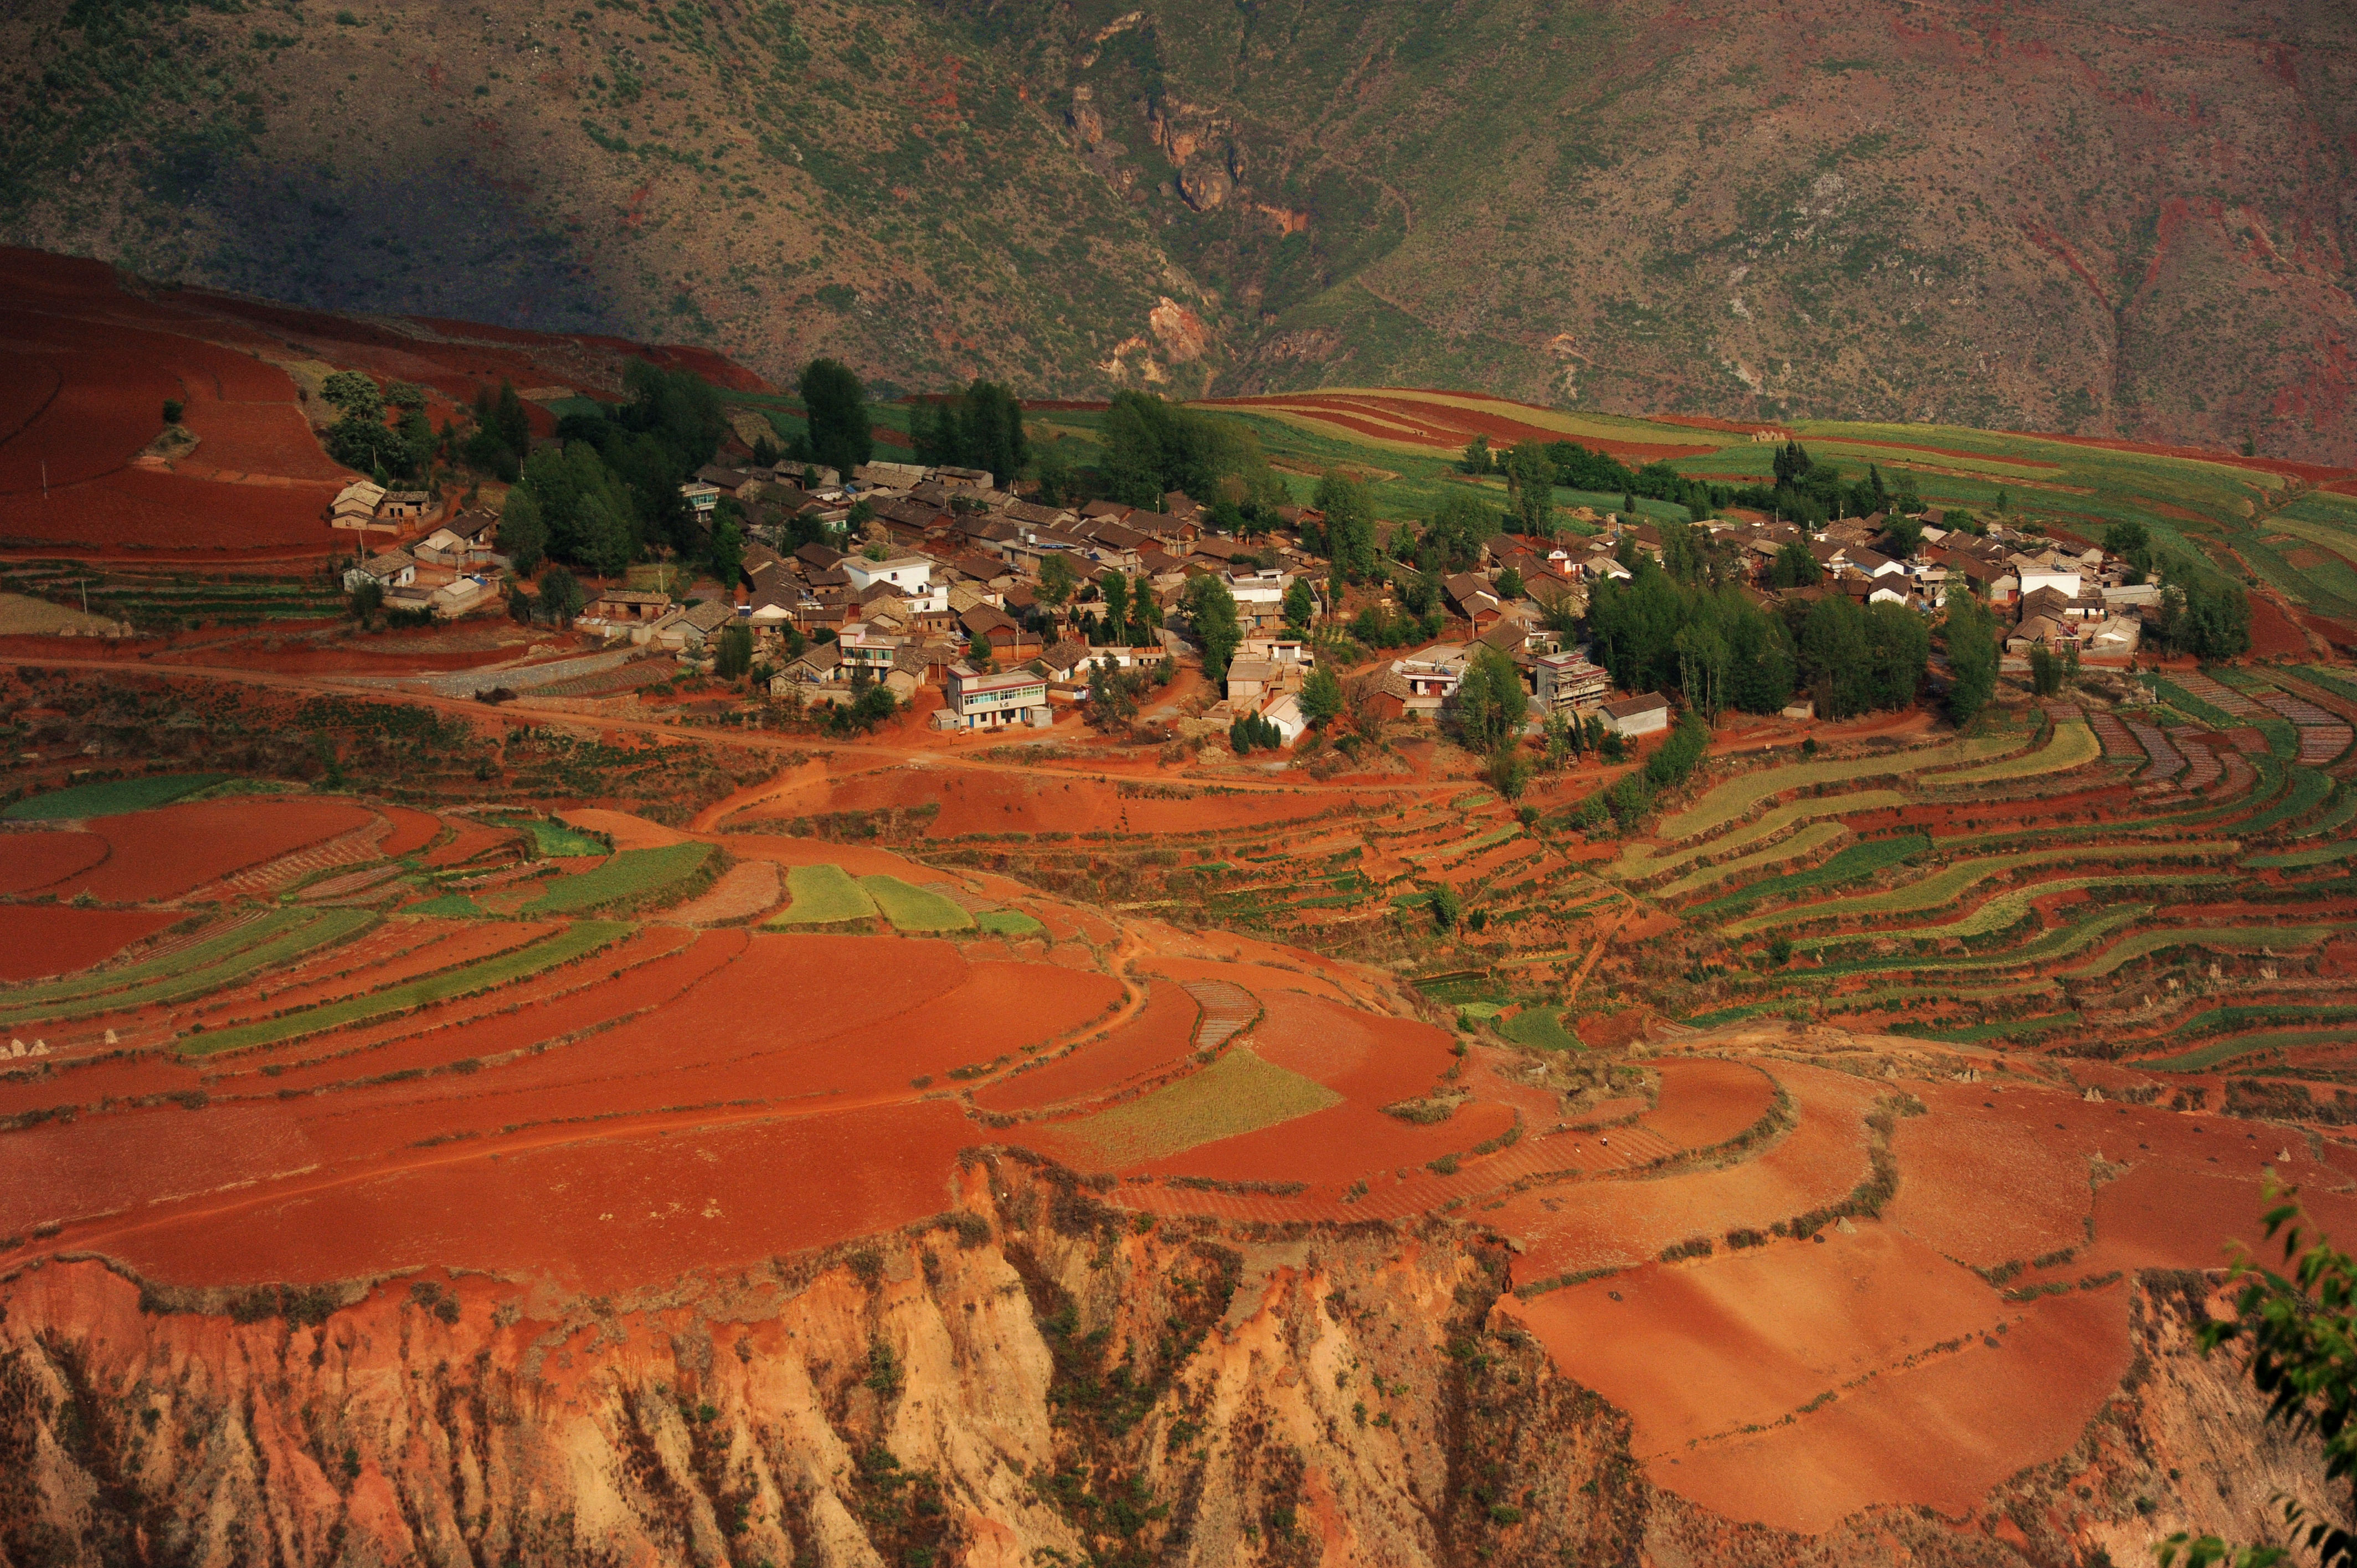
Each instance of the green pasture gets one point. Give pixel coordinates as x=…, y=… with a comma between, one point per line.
x=553, y=840
x=1008, y=923
x=913, y=909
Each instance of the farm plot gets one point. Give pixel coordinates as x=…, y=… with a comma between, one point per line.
x=2072, y=746
x=2117, y=743
x=748, y=888
x=825, y=896
x=1236, y=1094
x=2167, y=763
x=575, y=941
x=1948, y=883
x=635, y=877
x=1737, y=796
x=1643, y=862
x=2223, y=697
x=1854, y=861
x=1008, y=923
x=38, y=939
x=1159, y=1038
x=2226, y=939
x=912, y=909
x=1808, y=840
x=30, y=862
x=111, y=799
x=172, y=850
x=193, y=972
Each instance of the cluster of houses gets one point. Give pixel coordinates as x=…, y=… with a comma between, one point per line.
x=454, y=570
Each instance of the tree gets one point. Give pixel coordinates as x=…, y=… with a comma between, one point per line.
x=1144, y=613
x=1530, y=480
x=1971, y=636
x=1902, y=536
x=1211, y=610
x=172, y=411
x=1447, y=908
x=1491, y=704
x=1117, y=608
x=1476, y=458
x=765, y=452
x=1253, y=730
x=1350, y=512
x=559, y=597
x=1453, y=539
x=524, y=533
x=368, y=599
x=1322, y=697
x=355, y=393
x=1510, y=772
x=1151, y=447
x=842, y=428
x=2045, y=671
x=2297, y=1328
x=1792, y=464
x=991, y=425
x=733, y=654
x=1113, y=694
x=1300, y=604
x=365, y=441
x=1057, y=581
x=2201, y=613
x=2132, y=544
x=1794, y=567
x=728, y=553
x=1509, y=583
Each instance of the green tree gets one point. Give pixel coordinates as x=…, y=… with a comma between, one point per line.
x=1530, y=481
x=1902, y=536
x=1971, y=636
x=524, y=533
x=727, y=553
x=1117, y=608
x=2298, y=1333
x=2202, y=613
x=1300, y=604
x=842, y=426
x=1144, y=613
x=2045, y=671
x=1057, y=581
x=1794, y=567
x=1322, y=697
x=1509, y=583
x=368, y=599
x=1508, y=771
x=991, y=425
x=173, y=410
x=2132, y=544
x=1447, y=908
x=1491, y=704
x=559, y=597
x=1211, y=610
x=355, y=393
x=1452, y=540
x=1476, y=460
x=733, y=653
x=1350, y=512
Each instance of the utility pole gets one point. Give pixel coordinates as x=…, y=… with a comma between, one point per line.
x=45, y=480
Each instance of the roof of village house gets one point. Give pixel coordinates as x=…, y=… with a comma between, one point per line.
x=817, y=556
x=1629, y=707
x=1261, y=669
x=389, y=563
x=985, y=618
x=1068, y=654
x=1113, y=510
x=710, y=614
x=818, y=658
x=633, y=596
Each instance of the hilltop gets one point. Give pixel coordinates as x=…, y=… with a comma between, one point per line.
x=2132, y=224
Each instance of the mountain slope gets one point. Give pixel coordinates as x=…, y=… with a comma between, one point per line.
x=2130, y=220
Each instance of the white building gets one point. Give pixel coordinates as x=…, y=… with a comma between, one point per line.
x=1648, y=715
x=976, y=701
x=909, y=576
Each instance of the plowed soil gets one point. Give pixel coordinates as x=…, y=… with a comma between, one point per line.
x=1156, y=1041
x=38, y=940
x=165, y=852
x=30, y=862
x=412, y=831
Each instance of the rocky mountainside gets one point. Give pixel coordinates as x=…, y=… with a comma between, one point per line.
x=1033, y=1377
x=2132, y=219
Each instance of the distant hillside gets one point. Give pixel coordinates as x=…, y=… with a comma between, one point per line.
x=2131, y=219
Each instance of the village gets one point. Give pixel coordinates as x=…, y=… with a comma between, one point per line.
x=958, y=594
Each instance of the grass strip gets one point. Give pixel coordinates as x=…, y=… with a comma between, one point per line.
x=1640, y=862
x=2306, y=790
x=824, y=896
x=1008, y=923
x=914, y=909
x=1238, y=1093
x=1976, y=1033
x=1948, y=883
x=2055, y=943
x=111, y=799
x=325, y=929
x=633, y=876
x=576, y=941
x=554, y=840
x=2336, y=816
x=2233, y=938
x=1740, y=795
x=2008, y=907
x=451, y=906
x=1539, y=1029
x=1808, y=840
x=2073, y=747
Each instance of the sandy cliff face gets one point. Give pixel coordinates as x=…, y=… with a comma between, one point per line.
x=1034, y=1379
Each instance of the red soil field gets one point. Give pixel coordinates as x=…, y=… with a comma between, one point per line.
x=626, y=830
x=471, y=840
x=1940, y=1434
x=596, y=1210
x=1706, y=1103
x=167, y=511
x=38, y=939
x=1369, y=1059
x=1156, y=1041
x=1603, y=1224
x=430, y=946
x=1012, y=802
x=1446, y=428
x=76, y=1169
x=1331, y=1146
x=164, y=853
x=1701, y=1348
x=2273, y=634
x=412, y=831
x=29, y=862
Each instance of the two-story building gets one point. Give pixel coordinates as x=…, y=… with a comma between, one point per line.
x=997, y=701
x=909, y=576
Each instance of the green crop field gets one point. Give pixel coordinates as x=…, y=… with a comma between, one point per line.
x=111, y=799
x=1639, y=861
x=2234, y=939
x=189, y=973
x=1948, y=883
x=1808, y=840
x=2332, y=819
x=574, y=941
x=2005, y=909
x=1540, y=1029
x=2306, y=790
x=1858, y=860
x=1980, y=1034
x=1740, y=795
x=1237, y=1093
x=2073, y=746
x=911, y=908
x=2220, y=1052
x=2056, y=943
x=1008, y=923
x=824, y=896
x=554, y=840
x=636, y=876
x=450, y=905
